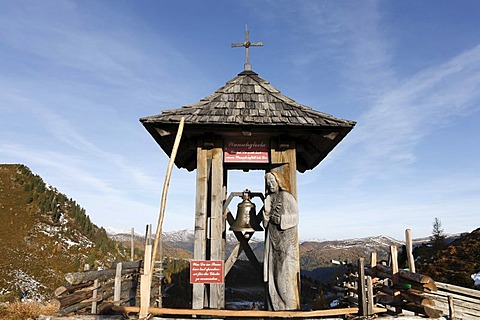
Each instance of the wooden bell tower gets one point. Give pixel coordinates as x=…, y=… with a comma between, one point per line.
x=247, y=124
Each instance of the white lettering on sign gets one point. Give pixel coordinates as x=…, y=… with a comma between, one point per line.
x=206, y=271
x=246, y=151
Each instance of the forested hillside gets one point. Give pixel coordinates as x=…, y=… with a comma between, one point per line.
x=453, y=263
x=43, y=235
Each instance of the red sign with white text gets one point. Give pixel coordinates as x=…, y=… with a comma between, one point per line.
x=206, y=271
x=246, y=151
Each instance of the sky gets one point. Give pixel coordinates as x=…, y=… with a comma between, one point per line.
x=76, y=76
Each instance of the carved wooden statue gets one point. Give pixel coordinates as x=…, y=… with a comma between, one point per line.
x=281, y=261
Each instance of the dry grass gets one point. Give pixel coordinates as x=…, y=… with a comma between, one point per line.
x=25, y=310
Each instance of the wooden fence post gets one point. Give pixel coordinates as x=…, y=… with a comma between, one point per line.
x=145, y=282
x=118, y=285
x=451, y=308
x=362, y=302
x=94, y=297
x=409, y=247
x=397, y=298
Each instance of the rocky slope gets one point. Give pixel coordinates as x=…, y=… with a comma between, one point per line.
x=43, y=235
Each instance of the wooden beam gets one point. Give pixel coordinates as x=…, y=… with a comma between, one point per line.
x=285, y=161
x=395, y=279
x=217, y=224
x=246, y=313
x=200, y=234
x=145, y=282
x=245, y=246
x=237, y=250
x=459, y=290
x=118, y=284
x=362, y=302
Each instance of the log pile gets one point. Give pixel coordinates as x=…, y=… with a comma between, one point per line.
x=96, y=291
x=404, y=290
x=396, y=291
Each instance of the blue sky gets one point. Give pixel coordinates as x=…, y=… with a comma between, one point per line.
x=75, y=77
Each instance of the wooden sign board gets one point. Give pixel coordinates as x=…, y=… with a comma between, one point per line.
x=246, y=151
x=206, y=271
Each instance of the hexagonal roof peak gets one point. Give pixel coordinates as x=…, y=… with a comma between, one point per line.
x=248, y=102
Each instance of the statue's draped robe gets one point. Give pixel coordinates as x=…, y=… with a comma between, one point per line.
x=281, y=261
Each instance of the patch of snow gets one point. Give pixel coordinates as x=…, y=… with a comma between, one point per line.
x=29, y=287
x=476, y=278
x=179, y=236
x=70, y=243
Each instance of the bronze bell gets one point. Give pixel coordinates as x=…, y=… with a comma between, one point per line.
x=246, y=219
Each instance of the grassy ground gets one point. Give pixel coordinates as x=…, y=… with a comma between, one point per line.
x=24, y=310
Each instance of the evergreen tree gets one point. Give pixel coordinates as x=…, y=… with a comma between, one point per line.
x=438, y=236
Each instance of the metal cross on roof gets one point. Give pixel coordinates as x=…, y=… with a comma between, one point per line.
x=247, y=44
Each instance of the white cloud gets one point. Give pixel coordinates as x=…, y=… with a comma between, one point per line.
x=389, y=132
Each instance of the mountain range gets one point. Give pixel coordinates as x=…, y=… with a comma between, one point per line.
x=314, y=254
x=45, y=234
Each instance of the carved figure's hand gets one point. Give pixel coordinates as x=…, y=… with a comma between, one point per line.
x=275, y=218
x=278, y=206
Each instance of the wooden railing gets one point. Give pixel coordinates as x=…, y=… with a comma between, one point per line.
x=459, y=302
x=95, y=291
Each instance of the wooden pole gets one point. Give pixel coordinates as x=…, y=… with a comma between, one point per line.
x=164, y=196
x=94, y=297
x=395, y=279
x=409, y=247
x=451, y=308
x=201, y=206
x=217, y=224
x=118, y=285
x=362, y=302
x=145, y=283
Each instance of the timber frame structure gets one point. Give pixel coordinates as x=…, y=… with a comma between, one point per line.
x=246, y=111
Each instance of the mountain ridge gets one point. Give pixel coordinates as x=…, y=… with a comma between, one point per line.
x=43, y=235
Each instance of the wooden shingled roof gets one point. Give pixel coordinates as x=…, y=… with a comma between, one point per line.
x=249, y=103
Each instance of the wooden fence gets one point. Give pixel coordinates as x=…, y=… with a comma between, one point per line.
x=382, y=285
x=368, y=290
x=95, y=291
x=459, y=302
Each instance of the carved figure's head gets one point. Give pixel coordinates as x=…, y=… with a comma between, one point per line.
x=275, y=182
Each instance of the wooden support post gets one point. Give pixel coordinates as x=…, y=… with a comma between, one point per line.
x=145, y=282
x=118, y=285
x=217, y=225
x=200, y=234
x=94, y=296
x=409, y=247
x=397, y=298
x=362, y=302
